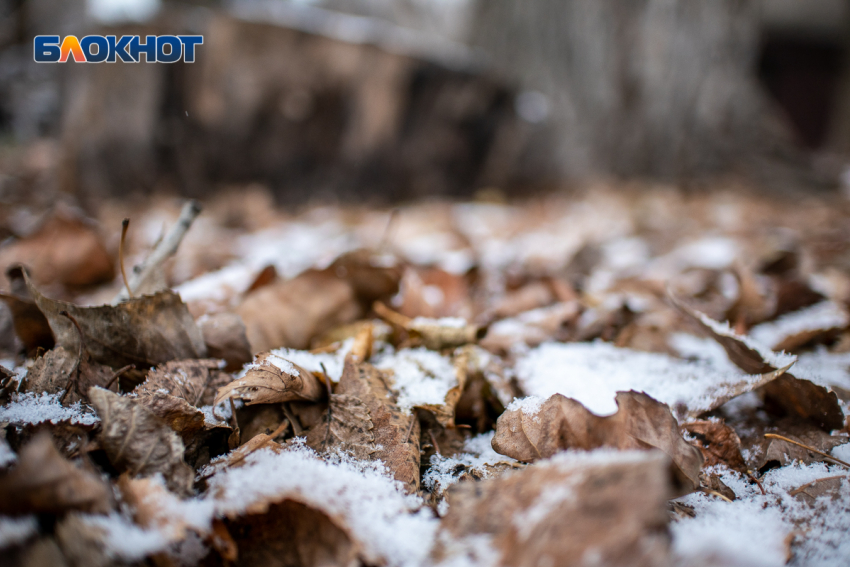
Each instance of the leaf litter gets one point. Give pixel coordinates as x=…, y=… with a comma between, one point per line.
x=489, y=385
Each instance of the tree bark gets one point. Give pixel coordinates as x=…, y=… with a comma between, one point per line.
x=659, y=88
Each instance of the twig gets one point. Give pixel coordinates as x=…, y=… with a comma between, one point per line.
x=124, y=225
x=758, y=482
x=163, y=250
x=714, y=493
x=118, y=373
x=434, y=441
x=72, y=376
x=296, y=427
x=328, y=384
x=800, y=489
x=410, y=429
x=812, y=449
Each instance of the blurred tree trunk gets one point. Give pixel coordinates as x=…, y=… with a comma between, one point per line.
x=659, y=88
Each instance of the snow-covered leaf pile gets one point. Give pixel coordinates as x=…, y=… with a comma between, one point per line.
x=612, y=379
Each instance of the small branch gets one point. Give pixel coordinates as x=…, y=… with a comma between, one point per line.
x=434, y=442
x=812, y=449
x=328, y=384
x=164, y=249
x=800, y=489
x=296, y=426
x=118, y=373
x=715, y=493
x=124, y=225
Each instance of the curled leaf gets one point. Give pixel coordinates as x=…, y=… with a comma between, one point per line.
x=786, y=394
x=272, y=379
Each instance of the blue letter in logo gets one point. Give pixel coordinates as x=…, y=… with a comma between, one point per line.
x=46, y=49
x=176, y=49
x=148, y=48
x=119, y=48
x=189, y=43
x=102, y=48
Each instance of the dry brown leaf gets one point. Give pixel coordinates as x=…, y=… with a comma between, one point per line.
x=396, y=432
x=772, y=452
x=66, y=249
x=718, y=443
x=431, y=292
x=784, y=395
x=435, y=334
x=291, y=313
x=137, y=441
x=144, y=331
x=563, y=423
x=445, y=412
x=271, y=380
x=351, y=429
x=224, y=335
x=43, y=481
x=609, y=512
x=59, y=370
x=29, y=322
x=292, y=534
x=152, y=506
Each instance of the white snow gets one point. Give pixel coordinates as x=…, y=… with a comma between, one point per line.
x=30, y=408
x=824, y=368
x=123, y=539
x=16, y=530
x=7, y=455
x=452, y=322
x=333, y=362
x=776, y=359
x=446, y=471
x=529, y=405
x=389, y=523
x=593, y=373
x=822, y=316
x=421, y=376
x=752, y=530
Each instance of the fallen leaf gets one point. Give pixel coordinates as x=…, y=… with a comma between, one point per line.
x=786, y=394
x=225, y=338
x=29, y=322
x=718, y=443
x=563, y=423
x=435, y=334
x=271, y=380
x=137, y=441
x=773, y=452
x=293, y=534
x=144, y=331
x=351, y=429
x=58, y=371
x=66, y=249
x=396, y=432
x=291, y=313
x=600, y=508
x=45, y=482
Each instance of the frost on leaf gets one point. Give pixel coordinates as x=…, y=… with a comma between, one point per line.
x=605, y=507
x=563, y=423
x=272, y=379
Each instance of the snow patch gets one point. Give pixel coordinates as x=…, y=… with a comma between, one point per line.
x=31, y=408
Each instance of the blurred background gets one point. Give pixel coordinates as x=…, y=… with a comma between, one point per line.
x=391, y=100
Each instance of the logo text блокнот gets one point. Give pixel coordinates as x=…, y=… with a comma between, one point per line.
x=110, y=48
